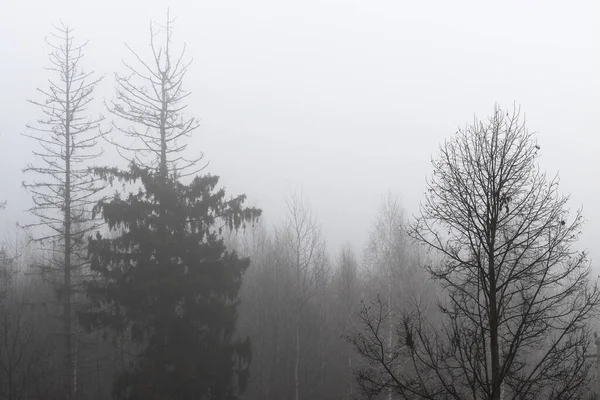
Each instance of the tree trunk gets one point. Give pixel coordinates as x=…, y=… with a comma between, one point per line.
x=494, y=346
x=297, y=364
x=391, y=323
x=349, y=373
x=67, y=227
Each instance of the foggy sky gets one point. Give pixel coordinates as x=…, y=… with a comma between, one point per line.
x=344, y=99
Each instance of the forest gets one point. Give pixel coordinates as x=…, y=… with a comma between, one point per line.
x=151, y=281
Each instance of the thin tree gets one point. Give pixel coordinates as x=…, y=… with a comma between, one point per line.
x=302, y=236
x=151, y=98
x=385, y=254
x=519, y=299
x=24, y=351
x=64, y=189
x=392, y=268
x=346, y=282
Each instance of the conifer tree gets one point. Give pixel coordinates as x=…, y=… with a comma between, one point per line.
x=172, y=287
x=63, y=192
x=166, y=280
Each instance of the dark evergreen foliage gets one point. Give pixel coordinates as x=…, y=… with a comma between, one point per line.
x=169, y=283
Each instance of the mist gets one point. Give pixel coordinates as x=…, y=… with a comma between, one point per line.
x=339, y=106
x=347, y=100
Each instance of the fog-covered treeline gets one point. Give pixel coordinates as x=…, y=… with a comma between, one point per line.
x=149, y=280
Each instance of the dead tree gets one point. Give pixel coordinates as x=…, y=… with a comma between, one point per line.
x=64, y=190
x=151, y=98
x=518, y=296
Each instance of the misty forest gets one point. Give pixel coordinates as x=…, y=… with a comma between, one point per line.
x=136, y=273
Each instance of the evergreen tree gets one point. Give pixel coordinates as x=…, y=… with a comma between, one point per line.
x=167, y=283
x=170, y=284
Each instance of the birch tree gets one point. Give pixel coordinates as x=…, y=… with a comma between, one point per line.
x=388, y=263
x=302, y=236
x=347, y=286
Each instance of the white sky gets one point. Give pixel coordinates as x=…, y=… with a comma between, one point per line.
x=346, y=99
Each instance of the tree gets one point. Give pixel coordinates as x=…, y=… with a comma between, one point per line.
x=268, y=315
x=166, y=281
x=346, y=288
x=25, y=343
x=23, y=349
x=518, y=295
x=309, y=267
x=63, y=195
x=385, y=257
x=263, y=311
x=170, y=285
x=393, y=274
x=151, y=98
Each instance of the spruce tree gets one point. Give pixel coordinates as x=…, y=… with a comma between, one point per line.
x=165, y=278
x=62, y=190
x=170, y=284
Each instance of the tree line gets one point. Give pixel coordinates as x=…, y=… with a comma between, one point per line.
x=152, y=282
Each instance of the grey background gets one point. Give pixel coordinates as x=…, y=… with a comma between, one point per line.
x=343, y=99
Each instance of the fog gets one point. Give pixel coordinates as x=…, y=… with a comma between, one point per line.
x=326, y=115
x=346, y=100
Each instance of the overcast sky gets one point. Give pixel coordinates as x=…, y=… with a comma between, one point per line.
x=344, y=99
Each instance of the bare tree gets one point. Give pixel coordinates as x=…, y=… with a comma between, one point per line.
x=22, y=349
x=267, y=315
x=347, y=289
x=65, y=190
x=269, y=311
x=151, y=97
x=258, y=314
x=25, y=350
x=309, y=266
x=519, y=297
x=391, y=266
x=385, y=254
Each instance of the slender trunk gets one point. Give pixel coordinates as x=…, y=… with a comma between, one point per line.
x=76, y=357
x=494, y=348
x=389, y=261
x=493, y=321
x=349, y=381
x=121, y=341
x=323, y=344
x=67, y=232
x=98, y=380
x=391, y=323
x=260, y=384
x=9, y=376
x=297, y=364
x=298, y=308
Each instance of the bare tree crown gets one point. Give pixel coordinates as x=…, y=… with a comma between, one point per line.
x=518, y=296
x=150, y=97
x=515, y=281
x=68, y=140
